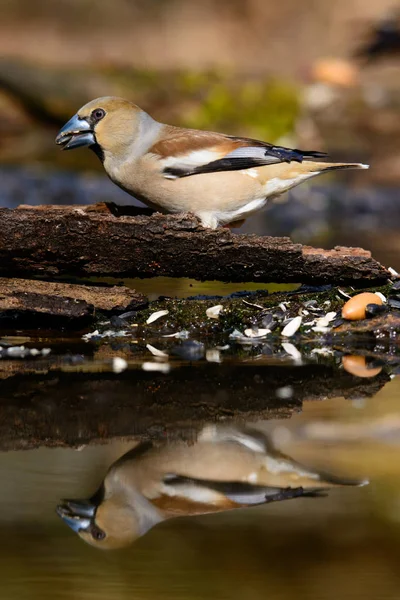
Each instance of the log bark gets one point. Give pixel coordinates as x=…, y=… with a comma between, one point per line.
x=41, y=303
x=97, y=241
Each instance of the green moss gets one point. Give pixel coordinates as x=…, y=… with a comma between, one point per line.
x=262, y=108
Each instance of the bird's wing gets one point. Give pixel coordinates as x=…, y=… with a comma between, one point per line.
x=235, y=493
x=185, y=152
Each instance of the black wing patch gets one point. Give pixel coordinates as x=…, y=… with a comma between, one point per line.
x=245, y=493
x=238, y=163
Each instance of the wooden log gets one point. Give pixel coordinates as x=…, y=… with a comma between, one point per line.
x=42, y=303
x=48, y=402
x=93, y=241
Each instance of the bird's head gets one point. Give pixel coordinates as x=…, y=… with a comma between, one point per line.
x=109, y=526
x=107, y=125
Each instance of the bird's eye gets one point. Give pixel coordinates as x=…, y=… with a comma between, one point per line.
x=98, y=114
x=97, y=533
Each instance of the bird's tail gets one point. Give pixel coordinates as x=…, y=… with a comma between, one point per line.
x=323, y=167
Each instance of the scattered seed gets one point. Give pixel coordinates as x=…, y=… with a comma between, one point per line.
x=119, y=364
x=156, y=351
x=156, y=315
x=342, y=293
x=322, y=351
x=285, y=392
x=292, y=351
x=130, y=313
x=213, y=311
x=354, y=309
x=267, y=320
x=16, y=351
x=156, y=366
x=372, y=310
x=330, y=316
x=321, y=329
x=381, y=296
x=256, y=333
x=282, y=306
x=337, y=322
x=235, y=335
x=182, y=335
x=394, y=303
x=89, y=336
x=213, y=355
x=190, y=350
x=291, y=328
x=251, y=304
x=392, y=271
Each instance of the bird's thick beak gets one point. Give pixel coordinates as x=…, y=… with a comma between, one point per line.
x=77, y=132
x=77, y=514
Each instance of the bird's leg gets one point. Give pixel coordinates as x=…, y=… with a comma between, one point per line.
x=235, y=224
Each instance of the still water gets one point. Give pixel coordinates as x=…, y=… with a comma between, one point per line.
x=342, y=544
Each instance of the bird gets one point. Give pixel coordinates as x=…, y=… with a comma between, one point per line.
x=221, y=179
x=227, y=467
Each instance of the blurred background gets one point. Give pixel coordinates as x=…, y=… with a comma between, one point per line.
x=321, y=75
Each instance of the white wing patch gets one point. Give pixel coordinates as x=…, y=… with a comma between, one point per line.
x=193, y=492
x=196, y=158
x=252, y=152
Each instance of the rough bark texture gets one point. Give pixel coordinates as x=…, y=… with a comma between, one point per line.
x=52, y=407
x=43, y=303
x=89, y=241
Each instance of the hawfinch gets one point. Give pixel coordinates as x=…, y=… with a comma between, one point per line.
x=222, y=179
x=227, y=468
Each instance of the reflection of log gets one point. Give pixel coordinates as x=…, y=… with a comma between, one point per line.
x=84, y=241
x=58, y=408
x=40, y=303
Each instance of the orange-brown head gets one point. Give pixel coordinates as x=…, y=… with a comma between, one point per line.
x=108, y=125
x=114, y=523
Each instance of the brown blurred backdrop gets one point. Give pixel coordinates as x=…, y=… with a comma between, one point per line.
x=248, y=35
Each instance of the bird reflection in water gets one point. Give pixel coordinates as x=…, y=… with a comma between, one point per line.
x=226, y=468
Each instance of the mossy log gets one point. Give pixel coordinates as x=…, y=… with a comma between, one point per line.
x=102, y=241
